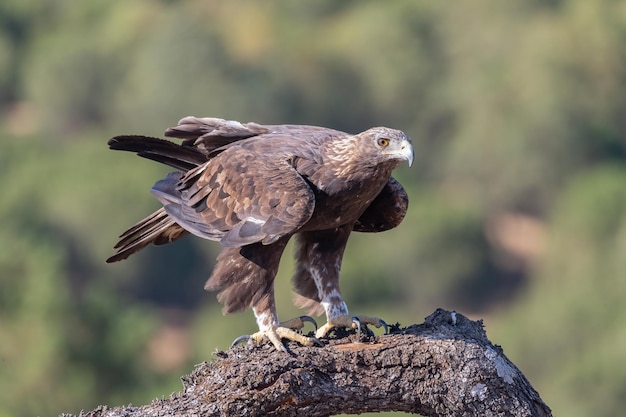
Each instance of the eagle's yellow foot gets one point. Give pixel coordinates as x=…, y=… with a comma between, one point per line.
x=285, y=330
x=353, y=322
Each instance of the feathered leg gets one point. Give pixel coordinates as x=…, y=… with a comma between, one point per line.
x=316, y=281
x=244, y=278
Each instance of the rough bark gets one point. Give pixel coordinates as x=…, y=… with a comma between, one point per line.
x=443, y=367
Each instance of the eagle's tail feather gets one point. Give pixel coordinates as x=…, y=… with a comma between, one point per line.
x=183, y=158
x=157, y=229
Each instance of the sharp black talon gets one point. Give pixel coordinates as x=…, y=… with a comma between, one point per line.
x=382, y=322
x=240, y=339
x=356, y=321
x=310, y=320
x=317, y=342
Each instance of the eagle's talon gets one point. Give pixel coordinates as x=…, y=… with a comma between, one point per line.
x=368, y=332
x=309, y=319
x=282, y=348
x=241, y=339
x=384, y=325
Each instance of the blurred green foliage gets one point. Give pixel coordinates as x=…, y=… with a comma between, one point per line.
x=518, y=193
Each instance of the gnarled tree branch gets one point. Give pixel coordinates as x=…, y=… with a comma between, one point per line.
x=443, y=367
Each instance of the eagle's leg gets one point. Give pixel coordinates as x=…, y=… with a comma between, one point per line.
x=270, y=327
x=244, y=278
x=337, y=314
x=318, y=256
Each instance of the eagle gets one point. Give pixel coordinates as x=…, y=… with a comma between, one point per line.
x=253, y=187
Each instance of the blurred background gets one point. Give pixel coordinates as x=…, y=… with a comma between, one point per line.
x=517, y=112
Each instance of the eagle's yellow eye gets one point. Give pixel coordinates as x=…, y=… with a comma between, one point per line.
x=383, y=142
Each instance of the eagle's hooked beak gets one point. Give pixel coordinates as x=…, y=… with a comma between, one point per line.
x=406, y=150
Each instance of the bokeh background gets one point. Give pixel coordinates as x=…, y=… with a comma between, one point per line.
x=517, y=111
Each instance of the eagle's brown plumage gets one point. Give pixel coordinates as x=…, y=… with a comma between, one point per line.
x=251, y=187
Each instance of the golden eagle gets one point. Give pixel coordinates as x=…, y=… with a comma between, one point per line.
x=252, y=187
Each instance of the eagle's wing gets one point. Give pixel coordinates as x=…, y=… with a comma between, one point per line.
x=386, y=211
x=203, y=139
x=206, y=134
x=239, y=197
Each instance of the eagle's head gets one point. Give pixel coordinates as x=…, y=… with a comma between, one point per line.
x=368, y=152
x=384, y=144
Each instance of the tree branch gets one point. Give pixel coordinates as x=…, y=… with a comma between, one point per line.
x=443, y=367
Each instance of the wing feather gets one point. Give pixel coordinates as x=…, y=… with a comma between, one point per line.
x=241, y=196
x=386, y=211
